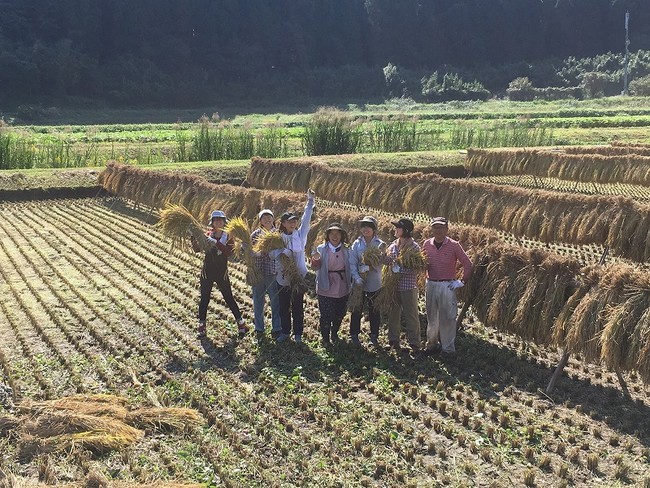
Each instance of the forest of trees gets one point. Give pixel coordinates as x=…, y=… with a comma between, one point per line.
x=184, y=52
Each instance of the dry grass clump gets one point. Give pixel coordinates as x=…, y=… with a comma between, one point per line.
x=519, y=291
x=240, y=230
x=178, y=223
x=97, y=423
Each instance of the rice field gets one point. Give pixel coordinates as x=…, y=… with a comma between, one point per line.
x=104, y=382
x=96, y=304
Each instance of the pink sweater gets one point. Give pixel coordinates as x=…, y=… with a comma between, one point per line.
x=442, y=262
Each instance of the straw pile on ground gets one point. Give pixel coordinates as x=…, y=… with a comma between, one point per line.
x=96, y=423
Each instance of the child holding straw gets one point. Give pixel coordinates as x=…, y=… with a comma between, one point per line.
x=291, y=297
x=366, y=276
x=215, y=270
x=268, y=284
x=332, y=263
x=407, y=289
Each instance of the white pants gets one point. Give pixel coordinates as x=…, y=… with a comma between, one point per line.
x=442, y=308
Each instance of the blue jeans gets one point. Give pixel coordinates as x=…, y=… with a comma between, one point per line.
x=268, y=286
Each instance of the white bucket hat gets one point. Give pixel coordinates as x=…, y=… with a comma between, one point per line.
x=266, y=211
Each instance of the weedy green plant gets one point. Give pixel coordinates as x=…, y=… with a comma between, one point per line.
x=393, y=134
x=514, y=134
x=331, y=131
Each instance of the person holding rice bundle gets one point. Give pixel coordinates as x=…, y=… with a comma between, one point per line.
x=332, y=263
x=442, y=255
x=268, y=284
x=215, y=270
x=407, y=288
x=290, y=295
x=366, y=260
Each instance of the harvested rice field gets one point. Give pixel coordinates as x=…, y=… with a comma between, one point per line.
x=97, y=325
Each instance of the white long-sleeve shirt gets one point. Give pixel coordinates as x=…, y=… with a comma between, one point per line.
x=296, y=243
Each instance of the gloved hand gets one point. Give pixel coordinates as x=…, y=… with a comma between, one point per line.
x=396, y=268
x=310, y=194
x=358, y=282
x=212, y=241
x=287, y=252
x=364, y=268
x=456, y=284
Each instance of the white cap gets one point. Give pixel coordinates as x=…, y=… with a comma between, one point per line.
x=217, y=214
x=266, y=211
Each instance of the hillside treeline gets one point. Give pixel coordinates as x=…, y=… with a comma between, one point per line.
x=193, y=51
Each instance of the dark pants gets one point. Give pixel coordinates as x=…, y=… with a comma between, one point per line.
x=223, y=283
x=373, y=315
x=291, y=306
x=332, y=311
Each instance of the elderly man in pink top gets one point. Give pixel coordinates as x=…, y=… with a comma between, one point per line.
x=442, y=255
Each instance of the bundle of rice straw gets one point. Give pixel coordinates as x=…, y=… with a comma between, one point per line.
x=355, y=301
x=240, y=230
x=177, y=222
x=387, y=298
x=408, y=259
x=271, y=241
x=165, y=419
x=372, y=257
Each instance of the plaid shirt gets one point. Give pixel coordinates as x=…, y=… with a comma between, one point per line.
x=409, y=278
x=264, y=263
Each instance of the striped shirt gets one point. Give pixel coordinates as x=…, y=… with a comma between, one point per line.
x=264, y=263
x=408, y=278
x=442, y=262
